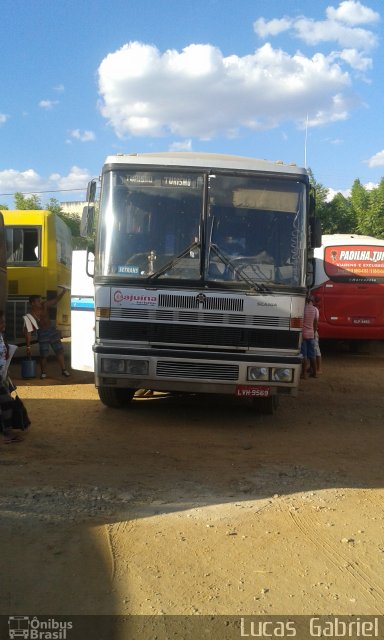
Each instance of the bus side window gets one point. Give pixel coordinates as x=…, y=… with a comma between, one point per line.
x=13, y=245
x=31, y=245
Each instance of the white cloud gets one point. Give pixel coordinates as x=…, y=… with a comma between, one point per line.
x=338, y=110
x=371, y=185
x=77, y=178
x=12, y=180
x=347, y=192
x=83, y=136
x=199, y=92
x=313, y=33
x=59, y=88
x=29, y=181
x=355, y=59
x=3, y=118
x=331, y=193
x=339, y=27
x=48, y=104
x=377, y=160
x=352, y=12
x=335, y=141
x=274, y=27
x=183, y=145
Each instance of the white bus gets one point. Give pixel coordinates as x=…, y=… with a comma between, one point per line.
x=200, y=275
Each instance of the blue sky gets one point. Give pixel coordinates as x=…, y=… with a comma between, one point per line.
x=81, y=79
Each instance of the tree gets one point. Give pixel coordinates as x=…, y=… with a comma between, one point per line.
x=3, y=207
x=335, y=215
x=340, y=216
x=23, y=203
x=375, y=217
x=360, y=205
x=53, y=205
x=323, y=212
x=73, y=222
x=368, y=207
x=321, y=195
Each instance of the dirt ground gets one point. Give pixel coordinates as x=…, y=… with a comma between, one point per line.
x=197, y=505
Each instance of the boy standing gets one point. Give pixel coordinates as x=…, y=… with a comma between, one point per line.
x=308, y=344
x=47, y=334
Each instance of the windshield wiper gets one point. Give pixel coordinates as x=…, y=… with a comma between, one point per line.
x=174, y=261
x=238, y=271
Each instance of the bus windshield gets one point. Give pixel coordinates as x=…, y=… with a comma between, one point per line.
x=147, y=219
x=195, y=226
x=255, y=228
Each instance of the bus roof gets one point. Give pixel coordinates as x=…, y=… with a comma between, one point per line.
x=204, y=160
x=349, y=239
x=25, y=216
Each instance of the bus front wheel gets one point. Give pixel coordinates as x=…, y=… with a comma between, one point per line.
x=266, y=406
x=115, y=398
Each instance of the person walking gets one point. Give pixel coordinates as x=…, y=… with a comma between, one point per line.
x=6, y=400
x=308, y=342
x=47, y=334
x=317, y=345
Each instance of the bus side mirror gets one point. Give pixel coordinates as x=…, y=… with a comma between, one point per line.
x=87, y=219
x=315, y=225
x=91, y=191
x=310, y=273
x=90, y=263
x=312, y=202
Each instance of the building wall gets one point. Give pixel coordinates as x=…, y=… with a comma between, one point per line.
x=74, y=208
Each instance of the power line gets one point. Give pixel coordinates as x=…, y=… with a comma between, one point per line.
x=25, y=193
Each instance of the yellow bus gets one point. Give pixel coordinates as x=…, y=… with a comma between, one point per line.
x=38, y=254
x=3, y=271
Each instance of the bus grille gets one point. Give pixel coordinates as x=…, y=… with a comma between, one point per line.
x=201, y=370
x=183, y=334
x=162, y=315
x=175, y=301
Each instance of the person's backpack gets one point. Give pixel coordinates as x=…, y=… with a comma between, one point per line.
x=20, y=418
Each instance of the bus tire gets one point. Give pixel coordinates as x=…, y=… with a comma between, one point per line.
x=266, y=406
x=115, y=398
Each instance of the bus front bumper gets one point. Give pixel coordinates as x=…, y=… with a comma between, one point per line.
x=241, y=374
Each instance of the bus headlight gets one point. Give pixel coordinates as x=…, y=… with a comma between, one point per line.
x=112, y=365
x=137, y=367
x=282, y=375
x=258, y=373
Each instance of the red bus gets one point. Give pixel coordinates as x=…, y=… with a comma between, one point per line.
x=349, y=287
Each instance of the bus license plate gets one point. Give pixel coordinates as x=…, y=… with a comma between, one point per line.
x=361, y=320
x=252, y=391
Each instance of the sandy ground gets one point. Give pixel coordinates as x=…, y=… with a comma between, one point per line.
x=197, y=505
